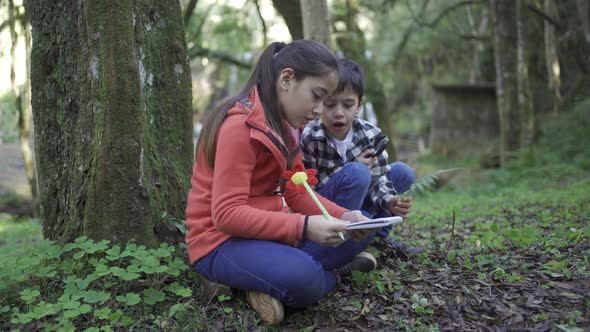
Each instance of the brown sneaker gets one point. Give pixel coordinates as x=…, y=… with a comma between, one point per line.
x=363, y=262
x=267, y=307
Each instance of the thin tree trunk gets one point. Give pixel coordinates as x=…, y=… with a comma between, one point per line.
x=504, y=18
x=263, y=23
x=13, y=43
x=475, y=74
x=190, y=9
x=25, y=119
x=112, y=110
x=583, y=12
x=23, y=107
x=290, y=10
x=525, y=100
x=353, y=45
x=316, y=21
x=551, y=56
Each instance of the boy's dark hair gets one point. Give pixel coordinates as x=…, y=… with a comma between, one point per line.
x=350, y=75
x=305, y=57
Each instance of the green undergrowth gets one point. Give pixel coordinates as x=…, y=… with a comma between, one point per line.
x=87, y=283
x=99, y=286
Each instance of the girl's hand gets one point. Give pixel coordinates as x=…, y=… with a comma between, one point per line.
x=324, y=232
x=355, y=216
x=366, y=158
x=400, y=207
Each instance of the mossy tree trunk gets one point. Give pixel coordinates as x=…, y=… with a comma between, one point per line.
x=111, y=97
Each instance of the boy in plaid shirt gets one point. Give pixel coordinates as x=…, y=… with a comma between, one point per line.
x=339, y=146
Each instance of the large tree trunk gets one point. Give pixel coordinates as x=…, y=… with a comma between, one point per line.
x=525, y=99
x=112, y=110
x=504, y=17
x=316, y=21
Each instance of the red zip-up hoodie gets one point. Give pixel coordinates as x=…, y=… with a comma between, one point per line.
x=237, y=198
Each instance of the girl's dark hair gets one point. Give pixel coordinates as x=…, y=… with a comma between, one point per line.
x=304, y=57
x=350, y=75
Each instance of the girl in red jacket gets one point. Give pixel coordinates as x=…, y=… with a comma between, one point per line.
x=239, y=230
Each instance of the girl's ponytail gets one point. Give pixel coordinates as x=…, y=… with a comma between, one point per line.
x=208, y=136
x=266, y=72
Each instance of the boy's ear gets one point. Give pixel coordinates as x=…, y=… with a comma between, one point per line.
x=358, y=108
x=286, y=78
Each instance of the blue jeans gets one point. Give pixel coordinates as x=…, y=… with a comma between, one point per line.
x=350, y=185
x=296, y=276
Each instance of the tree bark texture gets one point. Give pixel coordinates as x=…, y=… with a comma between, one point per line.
x=316, y=21
x=525, y=99
x=111, y=97
x=505, y=51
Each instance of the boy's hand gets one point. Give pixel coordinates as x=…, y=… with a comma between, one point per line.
x=400, y=207
x=366, y=158
x=355, y=216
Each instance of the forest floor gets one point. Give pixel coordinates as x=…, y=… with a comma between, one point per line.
x=505, y=250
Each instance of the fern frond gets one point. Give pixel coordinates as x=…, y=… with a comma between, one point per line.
x=427, y=182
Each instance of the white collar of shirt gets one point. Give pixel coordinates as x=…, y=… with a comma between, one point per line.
x=342, y=145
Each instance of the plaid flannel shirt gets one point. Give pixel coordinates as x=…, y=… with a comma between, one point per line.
x=319, y=152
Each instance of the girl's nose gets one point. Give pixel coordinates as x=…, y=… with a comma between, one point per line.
x=317, y=110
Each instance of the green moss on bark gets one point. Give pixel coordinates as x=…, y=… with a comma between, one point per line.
x=113, y=152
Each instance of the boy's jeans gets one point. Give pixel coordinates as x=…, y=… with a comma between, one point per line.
x=297, y=276
x=350, y=185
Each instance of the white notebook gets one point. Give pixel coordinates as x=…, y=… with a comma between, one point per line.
x=374, y=223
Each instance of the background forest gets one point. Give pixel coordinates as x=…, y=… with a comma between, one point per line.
x=99, y=94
